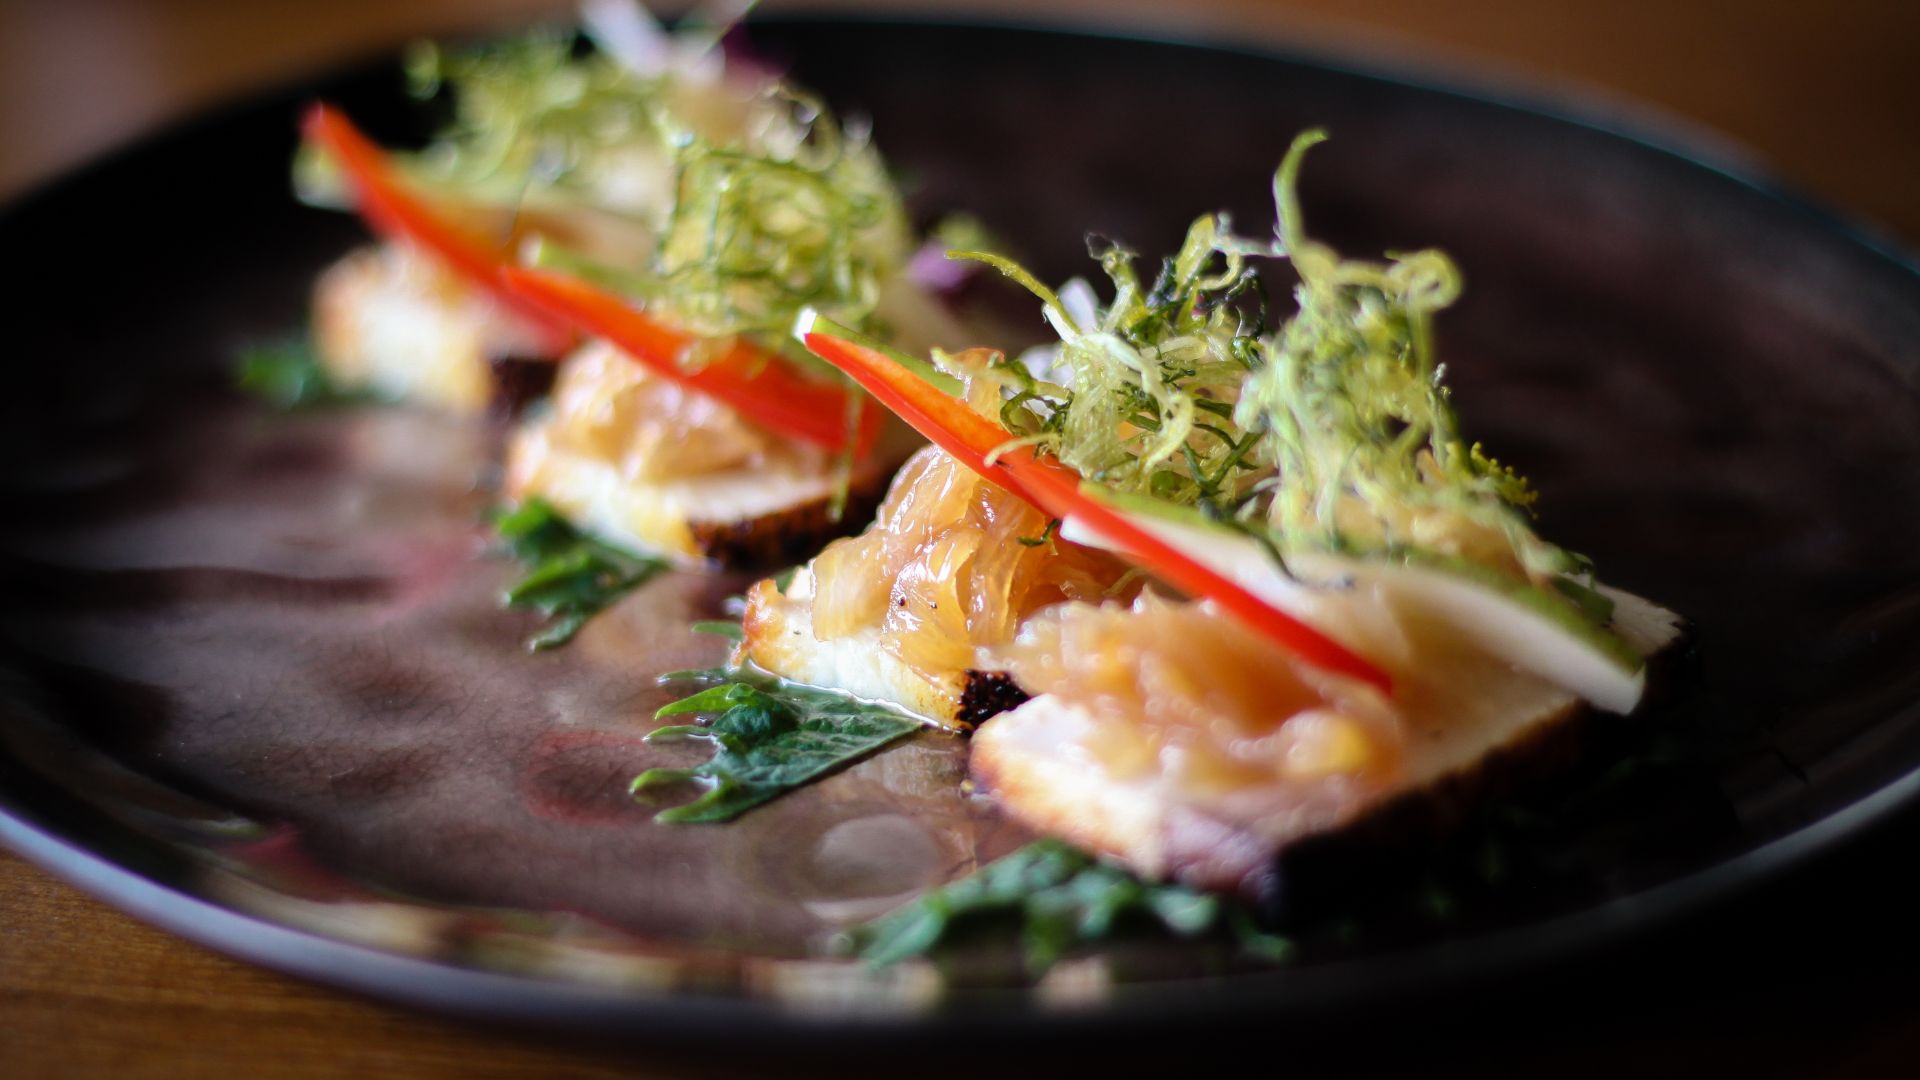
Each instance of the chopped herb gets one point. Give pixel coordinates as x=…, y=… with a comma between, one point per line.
x=1060, y=899
x=570, y=577
x=288, y=375
x=770, y=736
x=1046, y=537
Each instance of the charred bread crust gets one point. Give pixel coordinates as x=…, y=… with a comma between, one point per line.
x=756, y=516
x=517, y=382
x=778, y=636
x=986, y=695
x=791, y=535
x=1316, y=874
x=1298, y=878
x=1309, y=876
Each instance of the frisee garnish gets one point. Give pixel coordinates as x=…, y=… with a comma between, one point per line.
x=1058, y=899
x=1354, y=414
x=1330, y=429
x=1143, y=385
x=724, y=200
x=769, y=737
x=288, y=375
x=528, y=112
x=570, y=577
x=806, y=218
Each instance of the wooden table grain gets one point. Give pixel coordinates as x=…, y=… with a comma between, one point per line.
x=1824, y=95
x=86, y=991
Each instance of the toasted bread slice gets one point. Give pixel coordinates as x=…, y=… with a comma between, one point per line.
x=392, y=320
x=752, y=516
x=1042, y=762
x=640, y=461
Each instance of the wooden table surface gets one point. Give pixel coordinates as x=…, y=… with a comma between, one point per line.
x=1824, y=94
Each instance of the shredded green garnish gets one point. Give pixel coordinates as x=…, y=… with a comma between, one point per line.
x=808, y=218
x=570, y=577
x=737, y=203
x=534, y=117
x=1330, y=431
x=1354, y=416
x=1153, y=374
x=1058, y=899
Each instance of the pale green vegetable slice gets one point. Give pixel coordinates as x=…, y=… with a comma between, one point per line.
x=1534, y=631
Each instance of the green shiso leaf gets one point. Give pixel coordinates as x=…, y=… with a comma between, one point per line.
x=1057, y=899
x=569, y=576
x=288, y=375
x=769, y=737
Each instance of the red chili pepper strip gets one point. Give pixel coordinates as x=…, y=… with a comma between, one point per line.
x=753, y=382
x=397, y=213
x=1054, y=489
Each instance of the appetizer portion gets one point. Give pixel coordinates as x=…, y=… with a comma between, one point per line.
x=394, y=321
x=544, y=146
x=1174, y=741
x=1140, y=394
x=898, y=613
x=1369, y=617
x=956, y=560
x=673, y=216
x=716, y=441
x=642, y=460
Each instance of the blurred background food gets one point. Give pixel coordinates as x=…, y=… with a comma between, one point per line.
x=1822, y=93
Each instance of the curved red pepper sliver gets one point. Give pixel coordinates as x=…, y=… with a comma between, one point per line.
x=1054, y=489
x=397, y=213
x=753, y=382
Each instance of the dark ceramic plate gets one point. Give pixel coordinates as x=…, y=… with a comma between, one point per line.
x=257, y=688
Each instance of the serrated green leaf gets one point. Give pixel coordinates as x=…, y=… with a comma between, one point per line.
x=769, y=738
x=1058, y=900
x=570, y=577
